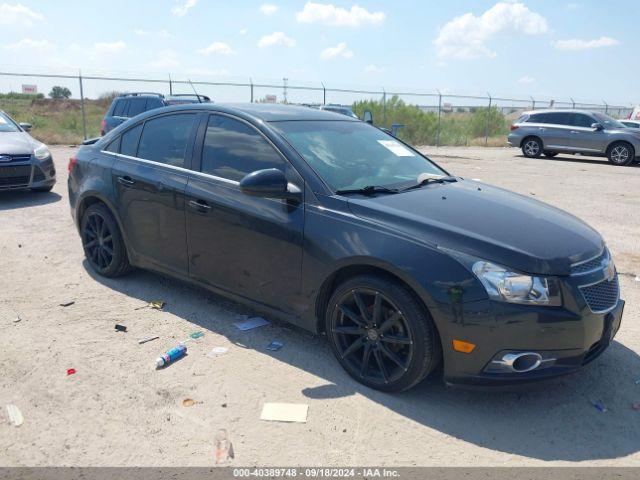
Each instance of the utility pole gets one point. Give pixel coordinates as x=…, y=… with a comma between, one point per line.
x=285, y=83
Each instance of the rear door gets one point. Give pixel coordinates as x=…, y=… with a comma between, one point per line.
x=246, y=245
x=150, y=177
x=555, y=131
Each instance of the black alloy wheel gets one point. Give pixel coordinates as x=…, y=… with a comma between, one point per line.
x=102, y=242
x=382, y=336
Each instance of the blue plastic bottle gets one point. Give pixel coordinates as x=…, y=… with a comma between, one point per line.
x=171, y=356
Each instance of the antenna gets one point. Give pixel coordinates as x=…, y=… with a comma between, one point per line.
x=194, y=91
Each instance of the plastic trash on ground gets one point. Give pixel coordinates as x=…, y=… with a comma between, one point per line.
x=217, y=351
x=171, y=356
x=251, y=323
x=275, y=346
x=15, y=415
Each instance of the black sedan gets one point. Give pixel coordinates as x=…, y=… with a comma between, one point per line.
x=25, y=163
x=340, y=228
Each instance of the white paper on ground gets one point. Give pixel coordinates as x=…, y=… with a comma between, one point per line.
x=254, y=322
x=15, y=415
x=396, y=148
x=285, y=412
x=217, y=351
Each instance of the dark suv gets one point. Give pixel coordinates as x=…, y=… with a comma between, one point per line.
x=336, y=226
x=129, y=105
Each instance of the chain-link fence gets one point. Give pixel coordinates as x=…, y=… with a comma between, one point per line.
x=420, y=117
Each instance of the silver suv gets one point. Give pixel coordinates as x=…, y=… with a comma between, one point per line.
x=550, y=132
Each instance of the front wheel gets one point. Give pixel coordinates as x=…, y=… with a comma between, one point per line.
x=381, y=334
x=532, y=147
x=621, y=153
x=102, y=242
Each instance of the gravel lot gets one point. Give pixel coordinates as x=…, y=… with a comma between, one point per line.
x=117, y=410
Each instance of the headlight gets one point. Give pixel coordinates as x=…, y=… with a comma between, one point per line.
x=41, y=152
x=513, y=287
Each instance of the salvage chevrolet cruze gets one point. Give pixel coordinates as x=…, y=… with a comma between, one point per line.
x=337, y=227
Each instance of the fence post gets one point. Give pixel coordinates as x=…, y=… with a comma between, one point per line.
x=486, y=126
x=573, y=103
x=324, y=94
x=384, y=107
x=84, y=118
x=170, y=85
x=439, y=118
x=606, y=107
x=251, y=88
x=533, y=102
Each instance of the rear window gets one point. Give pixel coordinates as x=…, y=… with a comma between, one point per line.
x=153, y=102
x=121, y=108
x=136, y=106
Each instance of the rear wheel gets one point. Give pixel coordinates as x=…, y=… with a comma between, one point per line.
x=102, y=242
x=621, y=153
x=549, y=154
x=382, y=336
x=532, y=147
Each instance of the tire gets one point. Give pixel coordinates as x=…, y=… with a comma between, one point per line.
x=532, y=147
x=393, y=345
x=42, y=189
x=549, y=154
x=102, y=242
x=621, y=153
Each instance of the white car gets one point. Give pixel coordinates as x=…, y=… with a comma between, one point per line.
x=631, y=123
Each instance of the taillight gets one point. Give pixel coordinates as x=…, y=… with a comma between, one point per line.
x=513, y=127
x=103, y=125
x=73, y=161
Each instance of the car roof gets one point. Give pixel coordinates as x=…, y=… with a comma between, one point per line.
x=558, y=110
x=265, y=112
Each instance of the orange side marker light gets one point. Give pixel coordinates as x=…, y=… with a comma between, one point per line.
x=464, y=347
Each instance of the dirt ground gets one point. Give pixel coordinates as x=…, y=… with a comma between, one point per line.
x=117, y=410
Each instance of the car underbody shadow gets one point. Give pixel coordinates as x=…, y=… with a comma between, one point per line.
x=566, y=157
x=554, y=420
x=14, y=199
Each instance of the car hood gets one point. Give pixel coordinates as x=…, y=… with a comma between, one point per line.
x=17, y=143
x=486, y=222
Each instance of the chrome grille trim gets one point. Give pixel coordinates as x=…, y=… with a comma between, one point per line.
x=594, y=264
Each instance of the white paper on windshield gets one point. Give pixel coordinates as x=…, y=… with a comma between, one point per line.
x=2, y=120
x=396, y=148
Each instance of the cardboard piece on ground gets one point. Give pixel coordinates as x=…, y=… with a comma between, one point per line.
x=285, y=412
x=251, y=323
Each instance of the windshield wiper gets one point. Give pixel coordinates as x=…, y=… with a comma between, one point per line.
x=369, y=190
x=429, y=180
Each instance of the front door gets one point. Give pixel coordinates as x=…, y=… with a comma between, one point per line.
x=246, y=245
x=150, y=178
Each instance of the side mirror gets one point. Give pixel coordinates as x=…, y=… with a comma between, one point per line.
x=26, y=126
x=269, y=183
x=367, y=117
x=597, y=126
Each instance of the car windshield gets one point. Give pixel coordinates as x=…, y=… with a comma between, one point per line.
x=607, y=121
x=353, y=155
x=7, y=125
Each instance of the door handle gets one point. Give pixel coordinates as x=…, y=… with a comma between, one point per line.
x=126, y=181
x=541, y=129
x=574, y=132
x=199, y=205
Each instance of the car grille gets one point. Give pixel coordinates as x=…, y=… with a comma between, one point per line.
x=15, y=158
x=602, y=296
x=591, y=265
x=15, y=176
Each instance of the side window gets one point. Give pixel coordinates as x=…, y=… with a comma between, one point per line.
x=129, y=141
x=118, y=110
x=582, y=120
x=136, y=106
x=232, y=149
x=538, y=118
x=559, y=118
x=114, y=146
x=164, y=139
x=152, y=103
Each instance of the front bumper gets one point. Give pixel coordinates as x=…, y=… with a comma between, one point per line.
x=571, y=339
x=26, y=172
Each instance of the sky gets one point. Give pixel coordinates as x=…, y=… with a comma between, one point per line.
x=585, y=50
